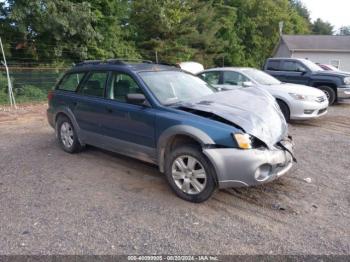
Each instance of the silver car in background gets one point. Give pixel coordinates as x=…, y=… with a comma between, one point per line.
x=297, y=102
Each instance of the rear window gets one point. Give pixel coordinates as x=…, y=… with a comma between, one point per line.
x=70, y=82
x=273, y=65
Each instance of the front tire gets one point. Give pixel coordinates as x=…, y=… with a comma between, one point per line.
x=67, y=136
x=330, y=93
x=190, y=174
x=285, y=109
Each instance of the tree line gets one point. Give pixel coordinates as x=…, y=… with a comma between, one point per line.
x=212, y=32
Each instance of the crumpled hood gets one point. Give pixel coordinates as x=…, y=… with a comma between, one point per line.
x=253, y=109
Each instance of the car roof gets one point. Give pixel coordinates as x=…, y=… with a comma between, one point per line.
x=286, y=58
x=116, y=64
x=227, y=69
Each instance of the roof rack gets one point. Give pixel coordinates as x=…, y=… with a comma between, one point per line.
x=117, y=61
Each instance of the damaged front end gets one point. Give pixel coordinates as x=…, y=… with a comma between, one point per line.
x=251, y=110
x=264, y=151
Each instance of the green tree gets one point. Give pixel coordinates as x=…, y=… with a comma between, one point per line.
x=112, y=25
x=320, y=27
x=67, y=30
x=49, y=30
x=162, y=28
x=301, y=9
x=257, y=28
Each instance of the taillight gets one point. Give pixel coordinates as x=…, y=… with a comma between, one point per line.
x=50, y=95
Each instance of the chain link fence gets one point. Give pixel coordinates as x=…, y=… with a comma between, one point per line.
x=29, y=83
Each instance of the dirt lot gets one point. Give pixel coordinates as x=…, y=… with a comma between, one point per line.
x=97, y=202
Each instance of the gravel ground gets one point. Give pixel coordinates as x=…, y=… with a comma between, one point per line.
x=98, y=202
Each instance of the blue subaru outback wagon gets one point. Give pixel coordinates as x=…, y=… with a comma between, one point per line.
x=201, y=139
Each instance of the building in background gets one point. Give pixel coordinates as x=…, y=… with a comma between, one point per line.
x=324, y=49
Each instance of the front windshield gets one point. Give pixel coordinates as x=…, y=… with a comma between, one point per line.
x=171, y=87
x=312, y=66
x=261, y=77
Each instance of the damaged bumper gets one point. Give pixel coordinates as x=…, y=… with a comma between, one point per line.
x=241, y=168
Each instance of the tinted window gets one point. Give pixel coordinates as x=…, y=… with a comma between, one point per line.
x=211, y=78
x=234, y=78
x=94, y=86
x=70, y=82
x=293, y=66
x=273, y=65
x=120, y=85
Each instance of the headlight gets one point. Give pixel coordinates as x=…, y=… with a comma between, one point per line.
x=347, y=80
x=244, y=141
x=303, y=97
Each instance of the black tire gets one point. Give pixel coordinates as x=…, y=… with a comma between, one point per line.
x=75, y=146
x=330, y=93
x=204, y=164
x=285, y=109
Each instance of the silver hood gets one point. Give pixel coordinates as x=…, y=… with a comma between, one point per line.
x=252, y=109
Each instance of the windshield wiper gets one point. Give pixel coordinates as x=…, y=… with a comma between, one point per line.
x=173, y=103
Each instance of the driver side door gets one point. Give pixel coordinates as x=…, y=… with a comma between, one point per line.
x=296, y=72
x=128, y=128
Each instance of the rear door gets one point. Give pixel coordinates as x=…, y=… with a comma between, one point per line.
x=89, y=107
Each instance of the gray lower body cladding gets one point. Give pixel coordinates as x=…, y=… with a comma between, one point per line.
x=343, y=92
x=240, y=168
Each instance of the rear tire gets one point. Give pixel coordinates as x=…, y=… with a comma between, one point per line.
x=67, y=136
x=330, y=93
x=285, y=109
x=190, y=174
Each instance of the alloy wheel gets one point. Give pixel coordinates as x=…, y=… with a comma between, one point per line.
x=189, y=175
x=67, y=134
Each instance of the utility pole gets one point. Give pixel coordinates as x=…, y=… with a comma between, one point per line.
x=281, y=25
x=156, y=57
x=10, y=90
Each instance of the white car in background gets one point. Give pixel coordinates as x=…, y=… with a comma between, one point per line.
x=297, y=102
x=191, y=67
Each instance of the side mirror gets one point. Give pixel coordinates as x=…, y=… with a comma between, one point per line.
x=302, y=70
x=136, y=99
x=247, y=84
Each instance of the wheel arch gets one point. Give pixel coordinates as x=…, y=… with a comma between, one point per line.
x=67, y=112
x=328, y=84
x=180, y=134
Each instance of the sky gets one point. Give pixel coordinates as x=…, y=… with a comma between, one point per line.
x=337, y=12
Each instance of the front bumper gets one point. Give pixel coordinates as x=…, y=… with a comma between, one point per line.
x=303, y=110
x=343, y=92
x=242, y=168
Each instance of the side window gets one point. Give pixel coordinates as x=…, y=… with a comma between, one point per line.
x=70, y=82
x=211, y=78
x=95, y=84
x=292, y=66
x=120, y=85
x=273, y=65
x=234, y=78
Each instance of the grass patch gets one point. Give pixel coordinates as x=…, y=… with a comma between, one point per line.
x=24, y=94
